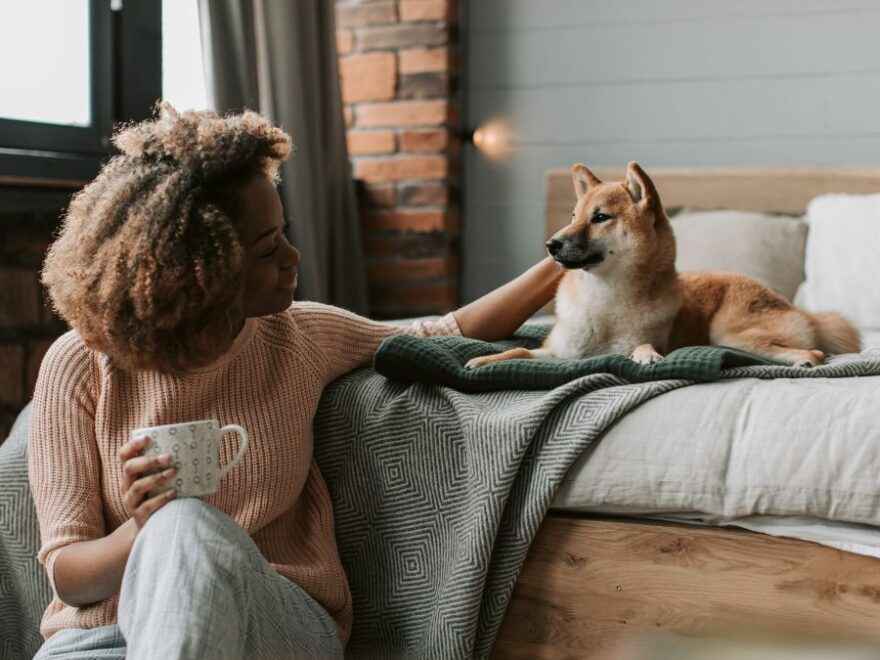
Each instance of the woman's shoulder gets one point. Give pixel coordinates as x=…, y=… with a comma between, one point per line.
x=299, y=319
x=69, y=360
x=68, y=347
x=314, y=316
x=307, y=308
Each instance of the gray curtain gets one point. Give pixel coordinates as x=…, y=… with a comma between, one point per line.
x=279, y=57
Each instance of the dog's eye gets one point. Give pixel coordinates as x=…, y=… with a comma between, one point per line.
x=601, y=217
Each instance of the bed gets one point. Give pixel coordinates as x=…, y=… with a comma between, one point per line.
x=610, y=562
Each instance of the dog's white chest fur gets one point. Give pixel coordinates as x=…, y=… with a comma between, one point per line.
x=595, y=317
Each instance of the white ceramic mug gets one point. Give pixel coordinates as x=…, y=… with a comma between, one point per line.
x=195, y=452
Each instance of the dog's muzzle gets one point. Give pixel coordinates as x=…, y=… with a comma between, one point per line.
x=554, y=245
x=573, y=257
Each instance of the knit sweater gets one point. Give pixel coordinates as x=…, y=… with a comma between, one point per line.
x=269, y=382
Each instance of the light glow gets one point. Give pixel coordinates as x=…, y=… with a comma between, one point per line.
x=494, y=139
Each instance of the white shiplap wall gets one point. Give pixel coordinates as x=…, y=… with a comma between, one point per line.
x=664, y=82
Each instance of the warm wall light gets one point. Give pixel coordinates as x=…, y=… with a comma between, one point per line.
x=494, y=138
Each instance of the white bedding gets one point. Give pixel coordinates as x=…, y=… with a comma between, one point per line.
x=789, y=457
x=840, y=259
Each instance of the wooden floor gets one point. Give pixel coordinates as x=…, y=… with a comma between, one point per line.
x=588, y=582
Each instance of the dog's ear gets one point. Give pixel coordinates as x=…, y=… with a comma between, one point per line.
x=639, y=185
x=583, y=179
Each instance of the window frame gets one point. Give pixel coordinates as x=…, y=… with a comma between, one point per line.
x=126, y=78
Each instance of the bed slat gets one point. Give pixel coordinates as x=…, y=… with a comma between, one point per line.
x=587, y=582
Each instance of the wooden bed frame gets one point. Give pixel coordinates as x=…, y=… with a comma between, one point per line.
x=590, y=581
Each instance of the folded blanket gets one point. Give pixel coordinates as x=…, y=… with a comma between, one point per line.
x=441, y=360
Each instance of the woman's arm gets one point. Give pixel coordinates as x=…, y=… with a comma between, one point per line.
x=346, y=341
x=499, y=313
x=64, y=472
x=90, y=571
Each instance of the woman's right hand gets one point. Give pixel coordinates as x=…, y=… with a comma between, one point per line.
x=140, y=475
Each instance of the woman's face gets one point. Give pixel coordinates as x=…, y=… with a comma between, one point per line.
x=271, y=262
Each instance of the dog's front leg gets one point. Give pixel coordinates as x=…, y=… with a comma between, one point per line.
x=512, y=354
x=645, y=354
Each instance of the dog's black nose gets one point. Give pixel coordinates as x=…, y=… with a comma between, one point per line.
x=553, y=246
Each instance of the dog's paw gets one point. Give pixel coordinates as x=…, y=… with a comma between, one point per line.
x=473, y=363
x=807, y=359
x=645, y=354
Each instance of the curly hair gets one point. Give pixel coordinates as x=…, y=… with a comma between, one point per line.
x=148, y=264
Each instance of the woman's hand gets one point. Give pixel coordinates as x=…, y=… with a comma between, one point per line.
x=140, y=475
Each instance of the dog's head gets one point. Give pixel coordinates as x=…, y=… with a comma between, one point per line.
x=613, y=225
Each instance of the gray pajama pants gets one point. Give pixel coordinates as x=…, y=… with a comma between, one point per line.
x=196, y=586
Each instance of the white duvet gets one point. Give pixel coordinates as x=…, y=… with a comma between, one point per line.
x=746, y=452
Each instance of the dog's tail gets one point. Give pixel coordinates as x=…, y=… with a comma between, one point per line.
x=836, y=335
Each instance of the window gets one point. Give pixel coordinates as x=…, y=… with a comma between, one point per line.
x=69, y=69
x=183, y=76
x=50, y=79
x=56, y=106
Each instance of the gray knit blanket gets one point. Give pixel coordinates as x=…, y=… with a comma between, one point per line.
x=437, y=493
x=24, y=588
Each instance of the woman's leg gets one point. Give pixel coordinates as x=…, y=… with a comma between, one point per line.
x=196, y=586
x=84, y=644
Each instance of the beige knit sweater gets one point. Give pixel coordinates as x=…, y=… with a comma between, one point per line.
x=269, y=381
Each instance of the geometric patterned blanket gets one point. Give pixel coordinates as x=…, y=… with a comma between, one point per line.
x=437, y=495
x=24, y=588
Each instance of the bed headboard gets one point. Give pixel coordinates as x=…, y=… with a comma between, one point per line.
x=747, y=189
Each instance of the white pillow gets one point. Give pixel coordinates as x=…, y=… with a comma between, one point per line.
x=769, y=248
x=843, y=259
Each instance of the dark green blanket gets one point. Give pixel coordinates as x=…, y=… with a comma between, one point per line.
x=441, y=360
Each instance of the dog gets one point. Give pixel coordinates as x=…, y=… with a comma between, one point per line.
x=622, y=294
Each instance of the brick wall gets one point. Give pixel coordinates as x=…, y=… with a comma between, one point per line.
x=398, y=69
x=27, y=327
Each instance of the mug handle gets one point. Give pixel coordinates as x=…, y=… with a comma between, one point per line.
x=242, y=446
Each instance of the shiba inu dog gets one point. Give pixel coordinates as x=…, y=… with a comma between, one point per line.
x=622, y=293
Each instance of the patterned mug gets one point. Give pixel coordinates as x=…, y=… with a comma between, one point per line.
x=195, y=452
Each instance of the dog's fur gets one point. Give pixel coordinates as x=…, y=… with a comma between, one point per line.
x=622, y=294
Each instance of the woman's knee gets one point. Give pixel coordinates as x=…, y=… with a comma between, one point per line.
x=188, y=513
x=197, y=525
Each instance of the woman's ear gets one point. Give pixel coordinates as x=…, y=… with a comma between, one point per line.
x=583, y=179
x=639, y=185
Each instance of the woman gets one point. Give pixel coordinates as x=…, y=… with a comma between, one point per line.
x=173, y=269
